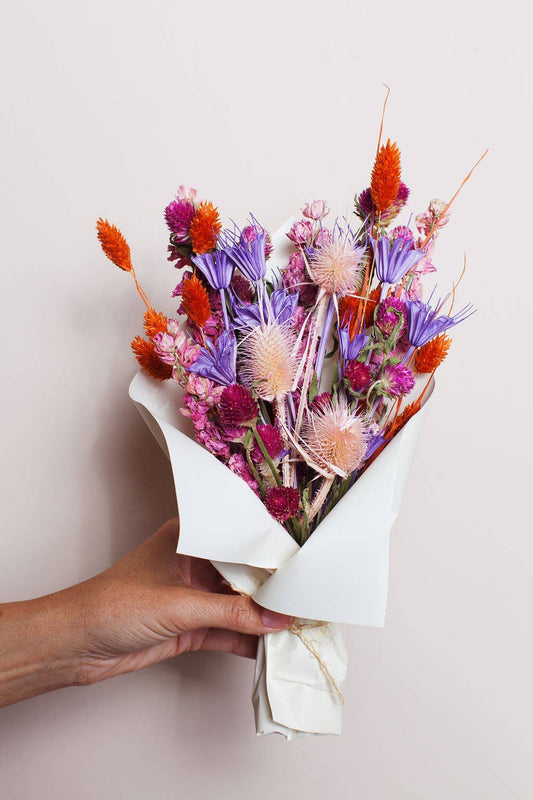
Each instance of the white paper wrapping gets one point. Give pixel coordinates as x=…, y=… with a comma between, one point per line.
x=339, y=575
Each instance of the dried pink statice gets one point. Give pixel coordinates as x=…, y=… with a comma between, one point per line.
x=237, y=406
x=334, y=439
x=317, y=209
x=282, y=502
x=301, y=233
x=237, y=464
x=296, y=279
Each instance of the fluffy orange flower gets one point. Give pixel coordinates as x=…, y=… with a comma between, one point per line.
x=400, y=420
x=431, y=355
x=195, y=301
x=385, y=181
x=154, y=322
x=204, y=228
x=114, y=244
x=149, y=360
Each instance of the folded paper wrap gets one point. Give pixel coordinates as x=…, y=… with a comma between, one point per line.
x=339, y=575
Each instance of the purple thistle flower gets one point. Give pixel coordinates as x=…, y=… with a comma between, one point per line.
x=374, y=443
x=350, y=348
x=424, y=325
x=216, y=267
x=394, y=259
x=249, y=234
x=178, y=216
x=397, y=380
x=218, y=362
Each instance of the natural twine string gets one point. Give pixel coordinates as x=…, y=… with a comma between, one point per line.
x=298, y=629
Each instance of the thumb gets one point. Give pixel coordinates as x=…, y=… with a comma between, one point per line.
x=232, y=612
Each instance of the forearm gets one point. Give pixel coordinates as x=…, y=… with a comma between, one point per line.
x=38, y=646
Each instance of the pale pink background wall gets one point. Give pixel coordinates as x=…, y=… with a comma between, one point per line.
x=106, y=108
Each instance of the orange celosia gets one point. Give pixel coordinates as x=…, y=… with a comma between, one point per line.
x=204, y=228
x=154, y=322
x=114, y=244
x=385, y=181
x=195, y=301
x=431, y=355
x=400, y=420
x=149, y=360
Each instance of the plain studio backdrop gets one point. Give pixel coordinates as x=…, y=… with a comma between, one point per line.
x=107, y=107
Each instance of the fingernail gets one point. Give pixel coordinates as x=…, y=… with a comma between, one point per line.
x=275, y=621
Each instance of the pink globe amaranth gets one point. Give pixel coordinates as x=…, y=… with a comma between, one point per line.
x=237, y=406
x=282, y=502
x=178, y=216
x=273, y=441
x=301, y=232
x=321, y=401
x=359, y=376
x=398, y=380
x=389, y=313
x=242, y=288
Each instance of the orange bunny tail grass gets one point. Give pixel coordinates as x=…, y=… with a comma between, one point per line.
x=154, y=322
x=431, y=355
x=385, y=182
x=204, y=228
x=149, y=360
x=195, y=301
x=114, y=244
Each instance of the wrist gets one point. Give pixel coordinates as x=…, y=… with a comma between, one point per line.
x=40, y=646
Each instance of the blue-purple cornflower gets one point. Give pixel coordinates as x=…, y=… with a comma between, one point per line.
x=394, y=259
x=278, y=307
x=217, y=267
x=218, y=361
x=424, y=324
x=249, y=257
x=350, y=348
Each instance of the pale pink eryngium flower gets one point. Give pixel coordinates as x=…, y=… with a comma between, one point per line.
x=337, y=266
x=270, y=362
x=334, y=439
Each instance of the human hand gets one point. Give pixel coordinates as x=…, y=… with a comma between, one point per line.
x=151, y=605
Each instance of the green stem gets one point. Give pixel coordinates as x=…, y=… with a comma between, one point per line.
x=255, y=474
x=267, y=458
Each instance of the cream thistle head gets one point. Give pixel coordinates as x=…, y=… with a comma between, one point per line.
x=337, y=266
x=335, y=438
x=270, y=361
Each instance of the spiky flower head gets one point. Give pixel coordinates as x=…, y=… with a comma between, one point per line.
x=397, y=380
x=237, y=406
x=282, y=502
x=337, y=266
x=335, y=438
x=270, y=362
